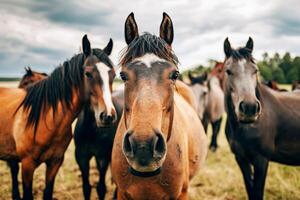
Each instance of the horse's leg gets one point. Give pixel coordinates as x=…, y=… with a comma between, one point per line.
x=28, y=167
x=216, y=129
x=102, y=165
x=260, y=172
x=83, y=162
x=247, y=174
x=205, y=122
x=14, y=170
x=51, y=171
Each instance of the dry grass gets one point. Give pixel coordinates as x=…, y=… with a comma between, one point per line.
x=219, y=179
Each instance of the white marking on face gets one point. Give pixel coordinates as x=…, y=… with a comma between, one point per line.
x=242, y=64
x=103, y=71
x=148, y=59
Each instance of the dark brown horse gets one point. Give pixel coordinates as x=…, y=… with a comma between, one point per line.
x=160, y=142
x=263, y=124
x=36, y=123
x=96, y=141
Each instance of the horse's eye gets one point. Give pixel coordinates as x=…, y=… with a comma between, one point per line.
x=229, y=72
x=89, y=74
x=174, y=75
x=123, y=76
x=255, y=71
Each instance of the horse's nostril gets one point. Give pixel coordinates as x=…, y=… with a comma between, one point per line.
x=159, y=146
x=242, y=107
x=127, y=146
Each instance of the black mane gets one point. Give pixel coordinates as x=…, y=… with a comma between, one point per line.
x=148, y=43
x=57, y=87
x=242, y=53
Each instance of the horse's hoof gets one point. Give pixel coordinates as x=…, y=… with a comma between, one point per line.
x=213, y=148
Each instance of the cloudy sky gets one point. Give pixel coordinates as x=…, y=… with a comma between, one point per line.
x=43, y=34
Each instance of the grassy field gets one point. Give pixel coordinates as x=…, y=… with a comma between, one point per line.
x=220, y=178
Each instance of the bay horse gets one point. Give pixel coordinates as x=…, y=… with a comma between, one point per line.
x=160, y=142
x=31, y=77
x=210, y=103
x=263, y=124
x=36, y=123
x=96, y=141
x=274, y=85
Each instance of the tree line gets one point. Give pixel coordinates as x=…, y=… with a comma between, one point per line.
x=283, y=69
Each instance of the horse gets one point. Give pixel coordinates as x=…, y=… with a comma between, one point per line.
x=262, y=124
x=31, y=77
x=210, y=107
x=160, y=143
x=36, y=122
x=218, y=71
x=199, y=87
x=274, y=85
x=94, y=141
x=295, y=85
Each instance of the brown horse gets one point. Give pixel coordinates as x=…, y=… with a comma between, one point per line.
x=30, y=77
x=263, y=124
x=218, y=72
x=274, y=85
x=36, y=123
x=160, y=142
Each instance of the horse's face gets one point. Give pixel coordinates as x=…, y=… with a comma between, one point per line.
x=99, y=74
x=31, y=77
x=149, y=89
x=200, y=90
x=218, y=71
x=241, y=82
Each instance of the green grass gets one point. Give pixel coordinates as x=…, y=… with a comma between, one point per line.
x=219, y=179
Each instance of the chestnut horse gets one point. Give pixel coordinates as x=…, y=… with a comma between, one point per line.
x=160, y=142
x=263, y=124
x=36, y=123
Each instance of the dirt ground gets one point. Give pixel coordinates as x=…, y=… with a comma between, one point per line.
x=220, y=178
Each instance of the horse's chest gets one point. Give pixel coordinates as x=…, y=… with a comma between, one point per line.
x=160, y=188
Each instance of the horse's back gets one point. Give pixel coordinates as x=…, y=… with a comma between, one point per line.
x=197, y=140
x=186, y=93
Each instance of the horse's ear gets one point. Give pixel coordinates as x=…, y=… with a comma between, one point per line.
x=166, y=29
x=86, y=46
x=227, y=48
x=191, y=76
x=131, y=29
x=28, y=71
x=108, y=47
x=249, y=44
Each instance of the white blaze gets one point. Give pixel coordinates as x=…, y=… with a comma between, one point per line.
x=103, y=70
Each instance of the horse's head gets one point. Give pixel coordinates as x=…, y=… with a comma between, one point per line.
x=99, y=74
x=218, y=71
x=30, y=77
x=241, y=82
x=149, y=70
x=200, y=90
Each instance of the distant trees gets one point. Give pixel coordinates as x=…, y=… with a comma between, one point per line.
x=284, y=69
